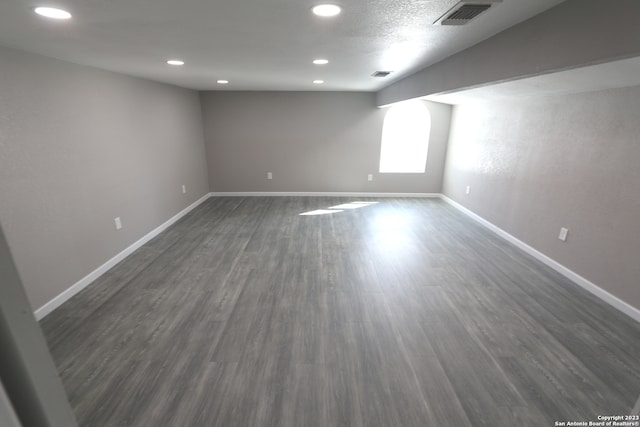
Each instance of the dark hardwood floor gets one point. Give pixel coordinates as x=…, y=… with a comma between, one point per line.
x=400, y=313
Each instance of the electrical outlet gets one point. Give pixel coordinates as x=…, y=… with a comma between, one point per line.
x=468, y=190
x=269, y=175
x=370, y=177
x=184, y=189
x=563, y=234
x=118, y=223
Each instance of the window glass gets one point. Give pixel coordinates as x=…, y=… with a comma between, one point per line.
x=405, y=138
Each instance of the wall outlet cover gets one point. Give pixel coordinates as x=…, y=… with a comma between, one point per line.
x=563, y=234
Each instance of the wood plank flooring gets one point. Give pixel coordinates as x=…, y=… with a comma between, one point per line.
x=400, y=313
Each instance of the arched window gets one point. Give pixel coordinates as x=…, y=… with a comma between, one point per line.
x=405, y=138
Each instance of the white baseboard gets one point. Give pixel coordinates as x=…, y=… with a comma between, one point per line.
x=89, y=278
x=614, y=301
x=321, y=194
x=596, y=290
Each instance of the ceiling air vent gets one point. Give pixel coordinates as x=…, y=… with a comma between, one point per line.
x=381, y=74
x=464, y=12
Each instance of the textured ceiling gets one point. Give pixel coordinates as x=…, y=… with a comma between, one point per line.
x=610, y=75
x=257, y=45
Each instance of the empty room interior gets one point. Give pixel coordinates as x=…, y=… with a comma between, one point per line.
x=297, y=213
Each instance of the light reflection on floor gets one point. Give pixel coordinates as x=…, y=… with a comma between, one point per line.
x=390, y=233
x=321, y=212
x=339, y=208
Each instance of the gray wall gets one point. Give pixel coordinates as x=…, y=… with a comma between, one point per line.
x=310, y=141
x=80, y=146
x=537, y=164
x=8, y=417
x=27, y=371
x=572, y=34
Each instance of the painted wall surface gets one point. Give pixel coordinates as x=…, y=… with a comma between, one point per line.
x=574, y=33
x=309, y=141
x=537, y=164
x=79, y=147
x=27, y=371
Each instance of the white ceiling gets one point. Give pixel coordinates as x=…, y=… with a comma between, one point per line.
x=257, y=45
x=614, y=74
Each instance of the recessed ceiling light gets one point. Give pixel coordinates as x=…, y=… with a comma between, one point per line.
x=326, y=10
x=223, y=82
x=50, y=12
x=321, y=61
x=175, y=62
x=318, y=82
